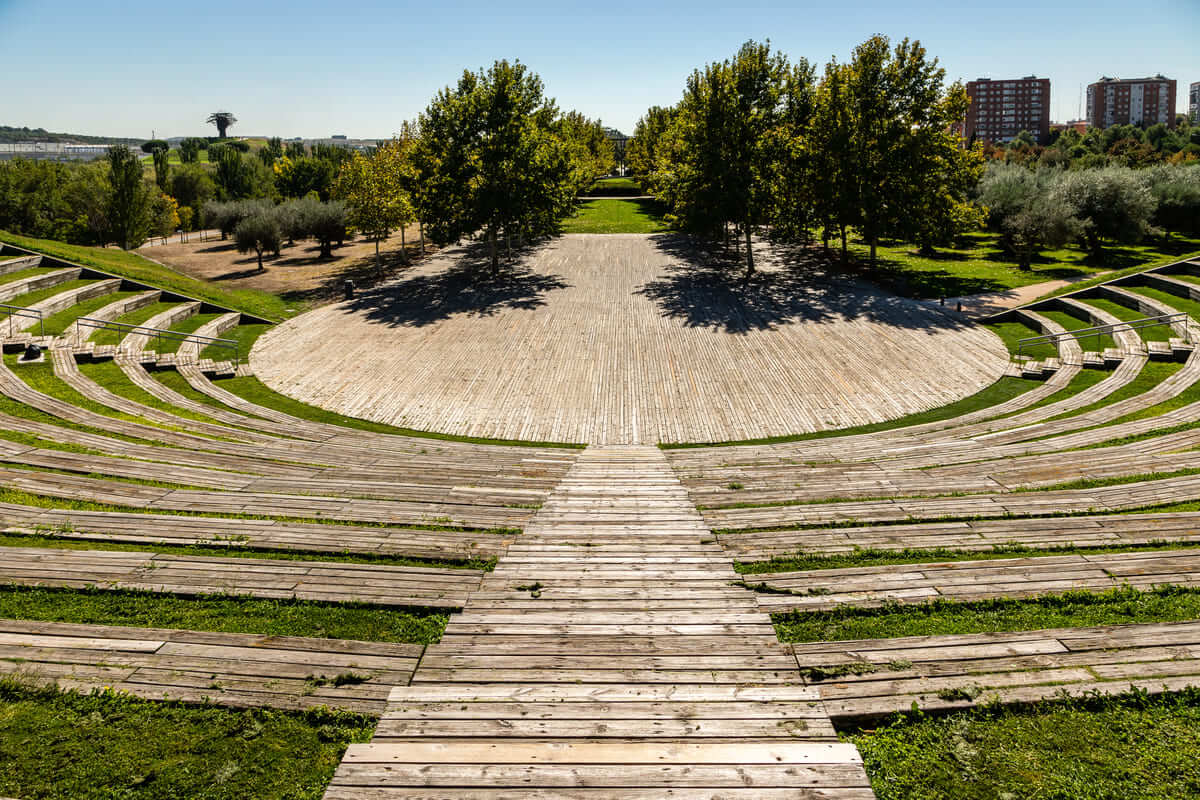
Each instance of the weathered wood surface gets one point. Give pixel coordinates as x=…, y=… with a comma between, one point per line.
x=608, y=655
x=338, y=582
x=233, y=669
x=950, y=672
x=820, y=590
x=1106, y=530
x=626, y=338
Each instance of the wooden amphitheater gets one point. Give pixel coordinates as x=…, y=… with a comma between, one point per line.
x=613, y=651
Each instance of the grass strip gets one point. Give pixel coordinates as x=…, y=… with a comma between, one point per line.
x=1086, y=748
x=1118, y=606
x=1151, y=374
x=1083, y=380
x=1011, y=333
x=27, y=272
x=999, y=392
x=55, y=539
x=187, y=325
x=135, y=267
x=633, y=215
x=136, y=317
x=252, y=389
x=62, y=745
x=223, y=613
x=38, y=295
x=1150, y=333
x=60, y=322
x=244, y=335
x=875, y=557
x=1071, y=322
x=110, y=375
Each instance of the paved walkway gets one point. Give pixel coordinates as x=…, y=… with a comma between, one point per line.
x=608, y=656
x=611, y=339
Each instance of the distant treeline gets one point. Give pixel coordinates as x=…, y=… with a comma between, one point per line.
x=11, y=135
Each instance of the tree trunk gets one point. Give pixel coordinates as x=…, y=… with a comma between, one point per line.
x=874, y=244
x=845, y=251
x=749, y=253
x=825, y=240
x=377, y=265
x=421, y=229
x=326, y=248
x=493, y=252
x=403, y=246
x=260, y=264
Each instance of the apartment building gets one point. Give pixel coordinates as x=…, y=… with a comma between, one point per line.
x=1194, y=102
x=1131, y=101
x=1001, y=109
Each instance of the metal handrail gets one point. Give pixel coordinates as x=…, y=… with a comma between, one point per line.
x=1100, y=330
x=161, y=333
x=21, y=311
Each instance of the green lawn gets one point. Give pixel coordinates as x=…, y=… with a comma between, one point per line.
x=222, y=613
x=616, y=216
x=133, y=266
x=979, y=264
x=136, y=317
x=57, y=324
x=106, y=745
x=1012, y=332
x=1070, y=322
x=244, y=335
x=1151, y=333
x=947, y=617
x=616, y=183
x=186, y=325
x=1131, y=746
x=1152, y=374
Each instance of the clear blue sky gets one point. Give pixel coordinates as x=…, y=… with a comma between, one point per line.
x=317, y=67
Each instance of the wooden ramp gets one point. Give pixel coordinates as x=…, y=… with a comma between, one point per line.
x=608, y=656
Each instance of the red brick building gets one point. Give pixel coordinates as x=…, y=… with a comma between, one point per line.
x=1131, y=101
x=1002, y=109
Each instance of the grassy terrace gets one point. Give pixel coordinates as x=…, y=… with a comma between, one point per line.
x=188, y=325
x=1151, y=333
x=1151, y=374
x=135, y=267
x=223, y=613
x=61, y=322
x=1070, y=322
x=136, y=317
x=946, y=617
x=108, y=745
x=1011, y=334
x=1083, y=749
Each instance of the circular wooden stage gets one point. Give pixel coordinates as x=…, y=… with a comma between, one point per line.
x=620, y=339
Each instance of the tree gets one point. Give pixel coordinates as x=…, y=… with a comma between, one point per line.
x=641, y=152
x=325, y=222
x=192, y=185
x=1021, y=205
x=490, y=159
x=129, y=199
x=154, y=145
x=223, y=120
x=373, y=190
x=189, y=149
x=258, y=232
x=240, y=176
x=1113, y=203
x=1176, y=190
x=590, y=150
x=162, y=168
x=728, y=151
x=829, y=144
x=298, y=177
x=272, y=151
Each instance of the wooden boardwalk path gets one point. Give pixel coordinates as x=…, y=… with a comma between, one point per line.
x=608, y=656
x=626, y=338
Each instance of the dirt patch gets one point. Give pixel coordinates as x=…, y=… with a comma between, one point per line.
x=298, y=274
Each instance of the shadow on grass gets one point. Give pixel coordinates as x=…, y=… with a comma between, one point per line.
x=706, y=287
x=467, y=286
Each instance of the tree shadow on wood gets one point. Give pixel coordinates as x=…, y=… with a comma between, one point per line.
x=466, y=286
x=706, y=287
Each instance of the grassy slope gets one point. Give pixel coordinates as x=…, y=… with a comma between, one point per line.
x=1100, y=749
x=223, y=613
x=65, y=745
x=133, y=266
